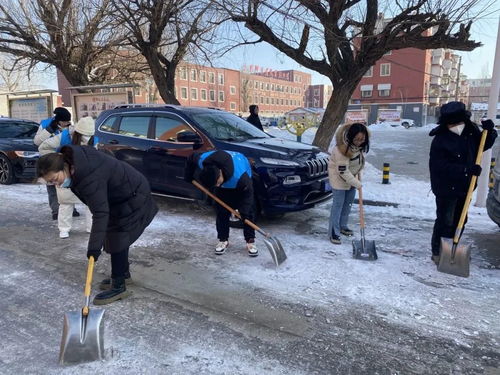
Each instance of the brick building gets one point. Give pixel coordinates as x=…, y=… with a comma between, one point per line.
x=399, y=81
x=317, y=96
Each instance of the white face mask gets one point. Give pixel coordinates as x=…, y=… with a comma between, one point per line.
x=458, y=129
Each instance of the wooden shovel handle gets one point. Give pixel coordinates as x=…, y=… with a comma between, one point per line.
x=361, y=210
x=88, y=282
x=234, y=212
x=468, y=198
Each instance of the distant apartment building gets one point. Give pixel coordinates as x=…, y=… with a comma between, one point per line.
x=479, y=90
x=317, y=96
x=446, y=84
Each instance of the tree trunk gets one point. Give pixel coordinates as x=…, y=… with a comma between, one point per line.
x=163, y=76
x=333, y=116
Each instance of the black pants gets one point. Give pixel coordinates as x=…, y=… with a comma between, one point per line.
x=448, y=211
x=119, y=264
x=243, y=202
x=53, y=203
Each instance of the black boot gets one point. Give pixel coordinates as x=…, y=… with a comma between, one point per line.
x=116, y=292
x=106, y=283
x=334, y=238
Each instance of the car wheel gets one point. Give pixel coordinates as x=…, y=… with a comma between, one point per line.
x=6, y=171
x=406, y=125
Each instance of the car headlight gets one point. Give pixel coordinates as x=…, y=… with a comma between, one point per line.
x=27, y=154
x=290, y=180
x=287, y=163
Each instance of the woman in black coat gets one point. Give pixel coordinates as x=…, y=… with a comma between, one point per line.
x=452, y=164
x=119, y=198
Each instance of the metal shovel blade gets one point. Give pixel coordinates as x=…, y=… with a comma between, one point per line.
x=457, y=264
x=276, y=249
x=364, y=250
x=83, y=337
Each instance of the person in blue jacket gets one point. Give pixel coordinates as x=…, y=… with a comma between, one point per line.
x=48, y=128
x=229, y=175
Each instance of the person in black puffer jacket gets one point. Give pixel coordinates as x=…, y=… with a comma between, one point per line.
x=119, y=198
x=452, y=165
x=254, y=118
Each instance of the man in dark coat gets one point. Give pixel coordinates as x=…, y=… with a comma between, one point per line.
x=119, y=198
x=452, y=165
x=229, y=174
x=254, y=116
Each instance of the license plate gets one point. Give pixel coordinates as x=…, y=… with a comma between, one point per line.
x=327, y=186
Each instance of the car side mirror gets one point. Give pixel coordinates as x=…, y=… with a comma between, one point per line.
x=190, y=137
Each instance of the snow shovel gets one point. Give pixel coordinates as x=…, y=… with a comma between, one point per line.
x=455, y=257
x=272, y=243
x=82, y=339
x=363, y=249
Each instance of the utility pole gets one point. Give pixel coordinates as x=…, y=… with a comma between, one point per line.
x=457, y=90
x=482, y=181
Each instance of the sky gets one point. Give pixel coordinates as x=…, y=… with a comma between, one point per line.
x=475, y=64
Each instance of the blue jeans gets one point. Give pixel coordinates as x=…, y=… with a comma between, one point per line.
x=341, y=208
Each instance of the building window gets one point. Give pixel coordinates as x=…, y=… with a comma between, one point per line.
x=233, y=106
x=385, y=70
x=184, y=74
x=384, y=92
x=366, y=93
x=212, y=95
x=203, y=94
x=267, y=100
x=203, y=76
x=272, y=101
x=267, y=86
x=184, y=93
x=221, y=96
x=221, y=78
x=211, y=77
x=299, y=91
x=286, y=89
x=193, y=75
x=286, y=101
x=255, y=99
x=262, y=85
x=261, y=100
x=272, y=87
x=194, y=94
x=282, y=101
x=256, y=84
x=300, y=78
x=232, y=90
x=388, y=53
x=369, y=72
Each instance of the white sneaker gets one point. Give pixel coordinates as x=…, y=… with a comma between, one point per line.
x=63, y=234
x=252, y=249
x=221, y=247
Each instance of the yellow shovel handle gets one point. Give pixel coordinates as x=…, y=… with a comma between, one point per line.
x=88, y=282
x=472, y=184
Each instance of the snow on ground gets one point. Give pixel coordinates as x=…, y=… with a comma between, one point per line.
x=402, y=286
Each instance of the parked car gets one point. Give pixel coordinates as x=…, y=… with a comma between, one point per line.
x=493, y=201
x=18, y=154
x=157, y=140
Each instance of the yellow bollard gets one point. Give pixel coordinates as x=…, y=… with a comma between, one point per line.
x=491, y=183
x=385, y=173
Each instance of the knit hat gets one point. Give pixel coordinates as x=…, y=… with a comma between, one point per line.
x=85, y=126
x=453, y=113
x=62, y=114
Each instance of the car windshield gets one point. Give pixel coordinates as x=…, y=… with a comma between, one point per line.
x=14, y=129
x=225, y=126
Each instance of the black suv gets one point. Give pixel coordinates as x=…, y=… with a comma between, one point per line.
x=157, y=140
x=18, y=154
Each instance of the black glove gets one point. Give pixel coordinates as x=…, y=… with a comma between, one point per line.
x=487, y=125
x=475, y=170
x=53, y=127
x=94, y=253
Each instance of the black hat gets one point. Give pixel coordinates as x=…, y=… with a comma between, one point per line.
x=453, y=113
x=62, y=114
x=209, y=175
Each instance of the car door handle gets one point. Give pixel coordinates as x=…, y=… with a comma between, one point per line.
x=113, y=142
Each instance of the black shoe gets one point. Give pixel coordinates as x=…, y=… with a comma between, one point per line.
x=346, y=232
x=335, y=239
x=106, y=283
x=76, y=213
x=54, y=216
x=435, y=259
x=117, y=291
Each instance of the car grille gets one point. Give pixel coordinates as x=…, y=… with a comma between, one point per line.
x=317, y=167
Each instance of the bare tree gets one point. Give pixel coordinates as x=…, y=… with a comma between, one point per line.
x=165, y=32
x=342, y=39
x=81, y=38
